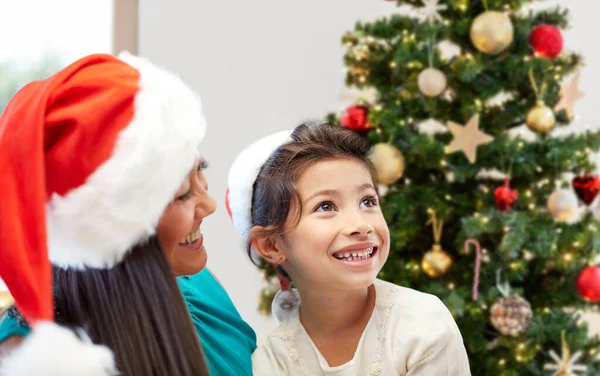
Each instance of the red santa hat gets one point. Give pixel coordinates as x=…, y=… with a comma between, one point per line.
x=89, y=160
x=238, y=201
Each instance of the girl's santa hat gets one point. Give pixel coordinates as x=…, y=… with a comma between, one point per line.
x=89, y=160
x=238, y=200
x=243, y=174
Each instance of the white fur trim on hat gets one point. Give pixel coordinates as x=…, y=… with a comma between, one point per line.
x=51, y=350
x=121, y=203
x=243, y=174
x=285, y=303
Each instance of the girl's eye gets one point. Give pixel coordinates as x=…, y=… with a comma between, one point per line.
x=185, y=196
x=369, y=202
x=325, y=207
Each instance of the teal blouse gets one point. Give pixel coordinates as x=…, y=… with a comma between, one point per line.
x=228, y=341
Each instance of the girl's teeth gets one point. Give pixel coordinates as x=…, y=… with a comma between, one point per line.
x=355, y=256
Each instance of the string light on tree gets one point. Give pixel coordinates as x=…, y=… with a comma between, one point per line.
x=525, y=352
x=528, y=255
x=448, y=95
x=360, y=51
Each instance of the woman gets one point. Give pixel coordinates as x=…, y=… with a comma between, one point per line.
x=105, y=143
x=228, y=341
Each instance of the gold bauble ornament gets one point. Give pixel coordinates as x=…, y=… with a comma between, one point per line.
x=540, y=118
x=388, y=162
x=432, y=82
x=492, y=32
x=436, y=262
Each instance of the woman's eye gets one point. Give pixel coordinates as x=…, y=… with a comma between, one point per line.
x=325, y=206
x=369, y=202
x=202, y=165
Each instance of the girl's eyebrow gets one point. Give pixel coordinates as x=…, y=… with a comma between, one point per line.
x=333, y=192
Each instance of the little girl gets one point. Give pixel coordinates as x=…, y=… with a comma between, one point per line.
x=307, y=202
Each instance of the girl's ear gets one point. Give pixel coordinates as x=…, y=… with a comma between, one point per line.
x=266, y=246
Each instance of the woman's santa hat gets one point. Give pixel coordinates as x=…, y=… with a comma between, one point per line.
x=89, y=160
x=238, y=200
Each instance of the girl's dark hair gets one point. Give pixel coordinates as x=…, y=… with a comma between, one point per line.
x=135, y=308
x=275, y=194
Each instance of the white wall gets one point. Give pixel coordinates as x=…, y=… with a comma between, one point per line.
x=266, y=65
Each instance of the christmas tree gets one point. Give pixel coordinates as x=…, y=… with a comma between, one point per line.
x=488, y=194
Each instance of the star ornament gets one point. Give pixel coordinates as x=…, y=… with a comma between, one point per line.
x=569, y=94
x=467, y=138
x=567, y=364
x=430, y=10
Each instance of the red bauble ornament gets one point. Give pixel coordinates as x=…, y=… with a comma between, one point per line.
x=546, y=40
x=227, y=203
x=588, y=284
x=505, y=196
x=356, y=118
x=586, y=187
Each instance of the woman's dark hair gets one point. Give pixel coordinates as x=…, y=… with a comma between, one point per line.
x=135, y=308
x=275, y=195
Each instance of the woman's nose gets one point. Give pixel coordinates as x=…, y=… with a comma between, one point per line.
x=206, y=203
